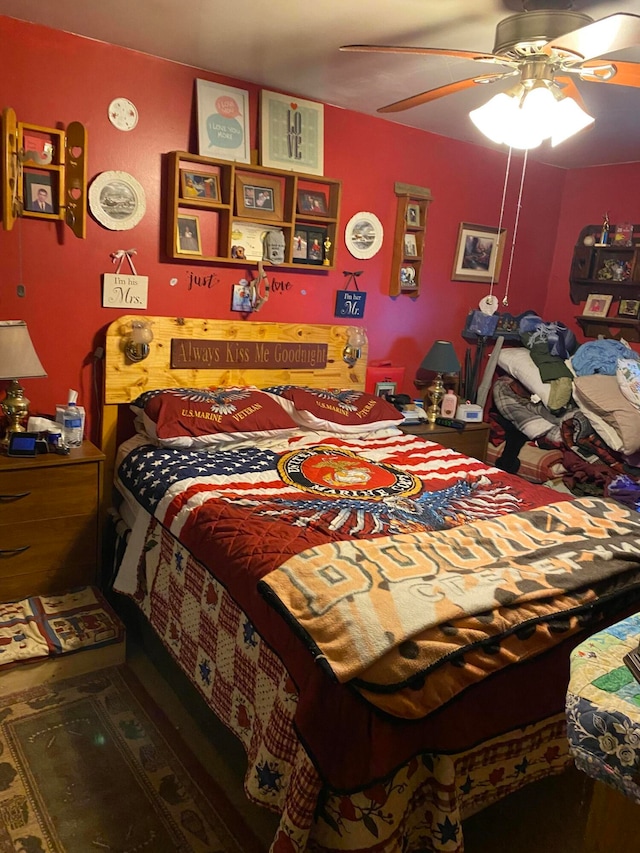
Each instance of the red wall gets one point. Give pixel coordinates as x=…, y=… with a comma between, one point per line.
x=62, y=275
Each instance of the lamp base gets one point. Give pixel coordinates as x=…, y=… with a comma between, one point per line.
x=16, y=408
x=435, y=396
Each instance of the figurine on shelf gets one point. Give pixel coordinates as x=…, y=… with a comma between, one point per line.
x=604, y=234
x=327, y=246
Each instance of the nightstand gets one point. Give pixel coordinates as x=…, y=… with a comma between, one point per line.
x=49, y=524
x=472, y=440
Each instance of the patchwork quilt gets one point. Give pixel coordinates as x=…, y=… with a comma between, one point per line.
x=408, y=570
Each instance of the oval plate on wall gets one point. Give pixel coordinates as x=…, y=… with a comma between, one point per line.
x=363, y=235
x=117, y=200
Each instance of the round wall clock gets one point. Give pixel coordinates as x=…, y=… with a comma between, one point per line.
x=123, y=114
x=117, y=200
x=363, y=235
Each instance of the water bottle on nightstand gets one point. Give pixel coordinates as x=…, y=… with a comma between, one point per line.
x=72, y=422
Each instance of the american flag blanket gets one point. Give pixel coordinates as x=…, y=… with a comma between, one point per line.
x=314, y=511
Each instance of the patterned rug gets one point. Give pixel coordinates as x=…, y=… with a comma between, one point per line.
x=91, y=764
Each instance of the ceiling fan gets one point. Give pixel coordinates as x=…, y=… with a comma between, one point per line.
x=538, y=47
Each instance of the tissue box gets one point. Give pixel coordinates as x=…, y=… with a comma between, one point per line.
x=60, y=415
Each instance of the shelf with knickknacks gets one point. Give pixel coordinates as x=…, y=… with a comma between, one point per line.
x=44, y=173
x=240, y=203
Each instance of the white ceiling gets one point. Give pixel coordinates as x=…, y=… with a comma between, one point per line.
x=292, y=46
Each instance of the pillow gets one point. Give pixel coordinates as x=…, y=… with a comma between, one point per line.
x=338, y=411
x=518, y=363
x=628, y=378
x=600, y=395
x=536, y=465
x=191, y=417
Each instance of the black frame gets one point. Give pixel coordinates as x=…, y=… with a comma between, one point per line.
x=311, y=233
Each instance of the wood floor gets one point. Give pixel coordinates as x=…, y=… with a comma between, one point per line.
x=550, y=816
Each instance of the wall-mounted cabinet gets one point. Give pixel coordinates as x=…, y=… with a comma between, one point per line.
x=409, y=239
x=221, y=212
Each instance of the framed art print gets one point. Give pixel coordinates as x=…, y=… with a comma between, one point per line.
x=291, y=133
x=478, y=253
x=223, y=121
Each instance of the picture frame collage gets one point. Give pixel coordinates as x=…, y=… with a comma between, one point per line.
x=309, y=244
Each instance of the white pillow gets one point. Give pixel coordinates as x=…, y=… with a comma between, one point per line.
x=518, y=363
x=628, y=376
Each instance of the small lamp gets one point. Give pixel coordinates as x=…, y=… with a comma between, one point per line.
x=440, y=359
x=356, y=339
x=137, y=344
x=18, y=360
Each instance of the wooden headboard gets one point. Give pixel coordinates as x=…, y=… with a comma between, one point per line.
x=229, y=352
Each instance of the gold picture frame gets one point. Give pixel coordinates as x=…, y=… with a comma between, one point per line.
x=188, y=235
x=258, y=197
x=479, y=252
x=204, y=186
x=597, y=305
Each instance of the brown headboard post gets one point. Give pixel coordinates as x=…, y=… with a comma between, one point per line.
x=229, y=352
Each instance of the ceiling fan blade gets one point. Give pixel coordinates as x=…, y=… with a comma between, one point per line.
x=615, y=32
x=627, y=74
x=425, y=51
x=440, y=92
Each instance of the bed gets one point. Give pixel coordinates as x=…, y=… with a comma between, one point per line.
x=384, y=623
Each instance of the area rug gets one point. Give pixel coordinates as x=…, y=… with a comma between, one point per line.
x=90, y=765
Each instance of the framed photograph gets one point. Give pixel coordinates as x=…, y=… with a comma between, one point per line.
x=410, y=246
x=478, y=253
x=312, y=201
x=258, y=196
x=204, y=185
x=291, y=133
x=38, y=195
x=629, y=308
x=383, y=388
x=241, y=297
x=188, y=236
x=223, y=122
x=597, y=305
x=308, y=245
x=413, y=214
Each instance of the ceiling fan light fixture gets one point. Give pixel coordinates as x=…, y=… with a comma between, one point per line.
x=570, y=119
x=528, y=114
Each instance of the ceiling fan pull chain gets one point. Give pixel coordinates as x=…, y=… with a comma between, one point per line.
x=505, y=300
x=504, y=195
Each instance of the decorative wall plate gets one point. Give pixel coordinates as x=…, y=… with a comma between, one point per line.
x=117, y=200
x=123, y=114
x=363, y=235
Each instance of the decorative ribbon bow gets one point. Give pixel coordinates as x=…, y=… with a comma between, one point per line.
x=119, y=256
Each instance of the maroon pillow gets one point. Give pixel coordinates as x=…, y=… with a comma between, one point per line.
x=345, y=411
x=191, y=417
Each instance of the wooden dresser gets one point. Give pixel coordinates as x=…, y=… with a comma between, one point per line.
x=49, y=522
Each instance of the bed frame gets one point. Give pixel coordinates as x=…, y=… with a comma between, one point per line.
x=124, y=379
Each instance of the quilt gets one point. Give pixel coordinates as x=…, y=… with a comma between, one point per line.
x=243, y=513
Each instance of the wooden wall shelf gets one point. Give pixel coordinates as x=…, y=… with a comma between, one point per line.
x=411, y=226
x=305, y=208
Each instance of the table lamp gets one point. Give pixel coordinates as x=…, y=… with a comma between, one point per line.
x=18, y=360
x=440, y=359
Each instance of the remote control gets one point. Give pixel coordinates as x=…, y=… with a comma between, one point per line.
x=451, y=422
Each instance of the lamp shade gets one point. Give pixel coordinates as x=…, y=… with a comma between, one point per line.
x=18, y=358
x=441, y=358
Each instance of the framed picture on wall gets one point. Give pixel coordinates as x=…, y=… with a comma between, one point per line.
x=258, y=196
x=479, y=253
x=223, y=121
x=203, y=185
x=38, y=196
x=291, y=133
